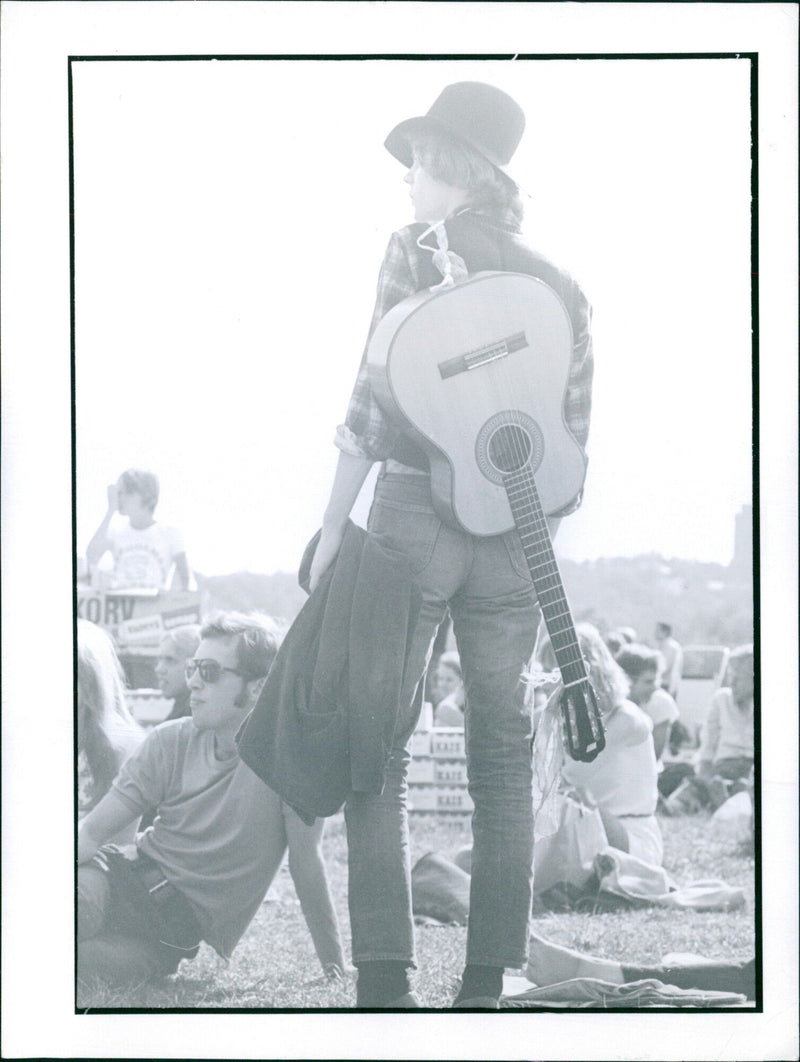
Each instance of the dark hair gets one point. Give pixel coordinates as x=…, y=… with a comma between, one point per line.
x=636, y=659
x=140, y=481
x=456, y=163
x=665, y=627
x=258, y=638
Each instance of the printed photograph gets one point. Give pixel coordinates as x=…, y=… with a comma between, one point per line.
x=417, y=645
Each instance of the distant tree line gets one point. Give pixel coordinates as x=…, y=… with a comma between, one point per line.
x=705, y=603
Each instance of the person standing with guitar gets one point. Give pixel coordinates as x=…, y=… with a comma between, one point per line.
x=467, y=219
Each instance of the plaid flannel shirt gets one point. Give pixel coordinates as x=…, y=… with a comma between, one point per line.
x=368, y=432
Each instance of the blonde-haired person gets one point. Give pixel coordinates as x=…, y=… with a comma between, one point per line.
x=467, y=214
x=623, y=780
x=726, y=757
x=727, y=748
x=107, y=732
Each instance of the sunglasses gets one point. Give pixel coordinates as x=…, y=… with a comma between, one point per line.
x=210, y=670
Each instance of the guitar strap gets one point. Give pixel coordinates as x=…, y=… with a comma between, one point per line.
x=450, y=265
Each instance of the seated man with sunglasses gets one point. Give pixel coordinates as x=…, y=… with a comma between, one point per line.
x=201, y=870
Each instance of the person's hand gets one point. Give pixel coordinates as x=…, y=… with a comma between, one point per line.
x=325, y=554
x=113, y=497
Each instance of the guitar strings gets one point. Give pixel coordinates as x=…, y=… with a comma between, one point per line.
x=565, y=641
x=525, y=485
x=570, y=652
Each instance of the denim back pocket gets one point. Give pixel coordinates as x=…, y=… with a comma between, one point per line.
x=516, y=555
x=412, y=531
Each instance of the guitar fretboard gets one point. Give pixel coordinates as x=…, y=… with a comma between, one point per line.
x=531, y=523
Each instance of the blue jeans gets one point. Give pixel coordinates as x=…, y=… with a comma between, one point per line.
x=487, y=587
x=113, y=948
x=115, y=954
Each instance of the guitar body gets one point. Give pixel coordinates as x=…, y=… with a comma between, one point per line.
x=476, y=373
x=471, y=370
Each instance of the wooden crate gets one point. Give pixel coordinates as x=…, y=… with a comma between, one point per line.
x=447, y=742
x=441, y=799
x=437, y=775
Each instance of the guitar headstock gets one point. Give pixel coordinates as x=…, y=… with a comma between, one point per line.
x=584, y=733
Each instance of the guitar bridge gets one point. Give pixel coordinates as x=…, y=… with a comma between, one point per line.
x=474, y=359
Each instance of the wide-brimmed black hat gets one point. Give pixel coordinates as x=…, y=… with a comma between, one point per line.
x=483, y=116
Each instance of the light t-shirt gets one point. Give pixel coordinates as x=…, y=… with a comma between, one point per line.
x=661, y=708
x=214, y=830
x=144, y=557
x=623, y=779
x=124, y=737
x=728, y=730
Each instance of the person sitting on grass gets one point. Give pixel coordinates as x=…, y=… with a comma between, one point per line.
x=144, y=551
x=641, y=665
x=622, y=781
x=174, y=649
x=201, y=870
x=727, y=751
x=726, y=744
x=107, y=732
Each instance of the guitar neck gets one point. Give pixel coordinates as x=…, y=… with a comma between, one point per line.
x=531, y=523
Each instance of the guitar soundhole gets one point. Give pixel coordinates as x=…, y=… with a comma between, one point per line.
x=507, y=442
x=510, y=448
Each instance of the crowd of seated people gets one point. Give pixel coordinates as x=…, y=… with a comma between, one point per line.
x=724, y=762
x=216, y=835
x=156, y=808
x=625, y=782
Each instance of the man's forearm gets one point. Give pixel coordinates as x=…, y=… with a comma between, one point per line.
x=102, y=823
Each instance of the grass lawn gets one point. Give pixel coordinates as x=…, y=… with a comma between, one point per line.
x=274, y=965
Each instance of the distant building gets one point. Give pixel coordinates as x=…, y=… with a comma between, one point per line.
x=742, y=563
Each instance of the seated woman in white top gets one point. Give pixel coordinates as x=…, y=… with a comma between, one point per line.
x=622, y=781
x=727, y=745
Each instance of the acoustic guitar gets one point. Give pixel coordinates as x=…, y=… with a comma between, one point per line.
x=476, y=374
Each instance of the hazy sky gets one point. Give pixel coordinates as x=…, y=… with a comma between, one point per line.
x=230, y=220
